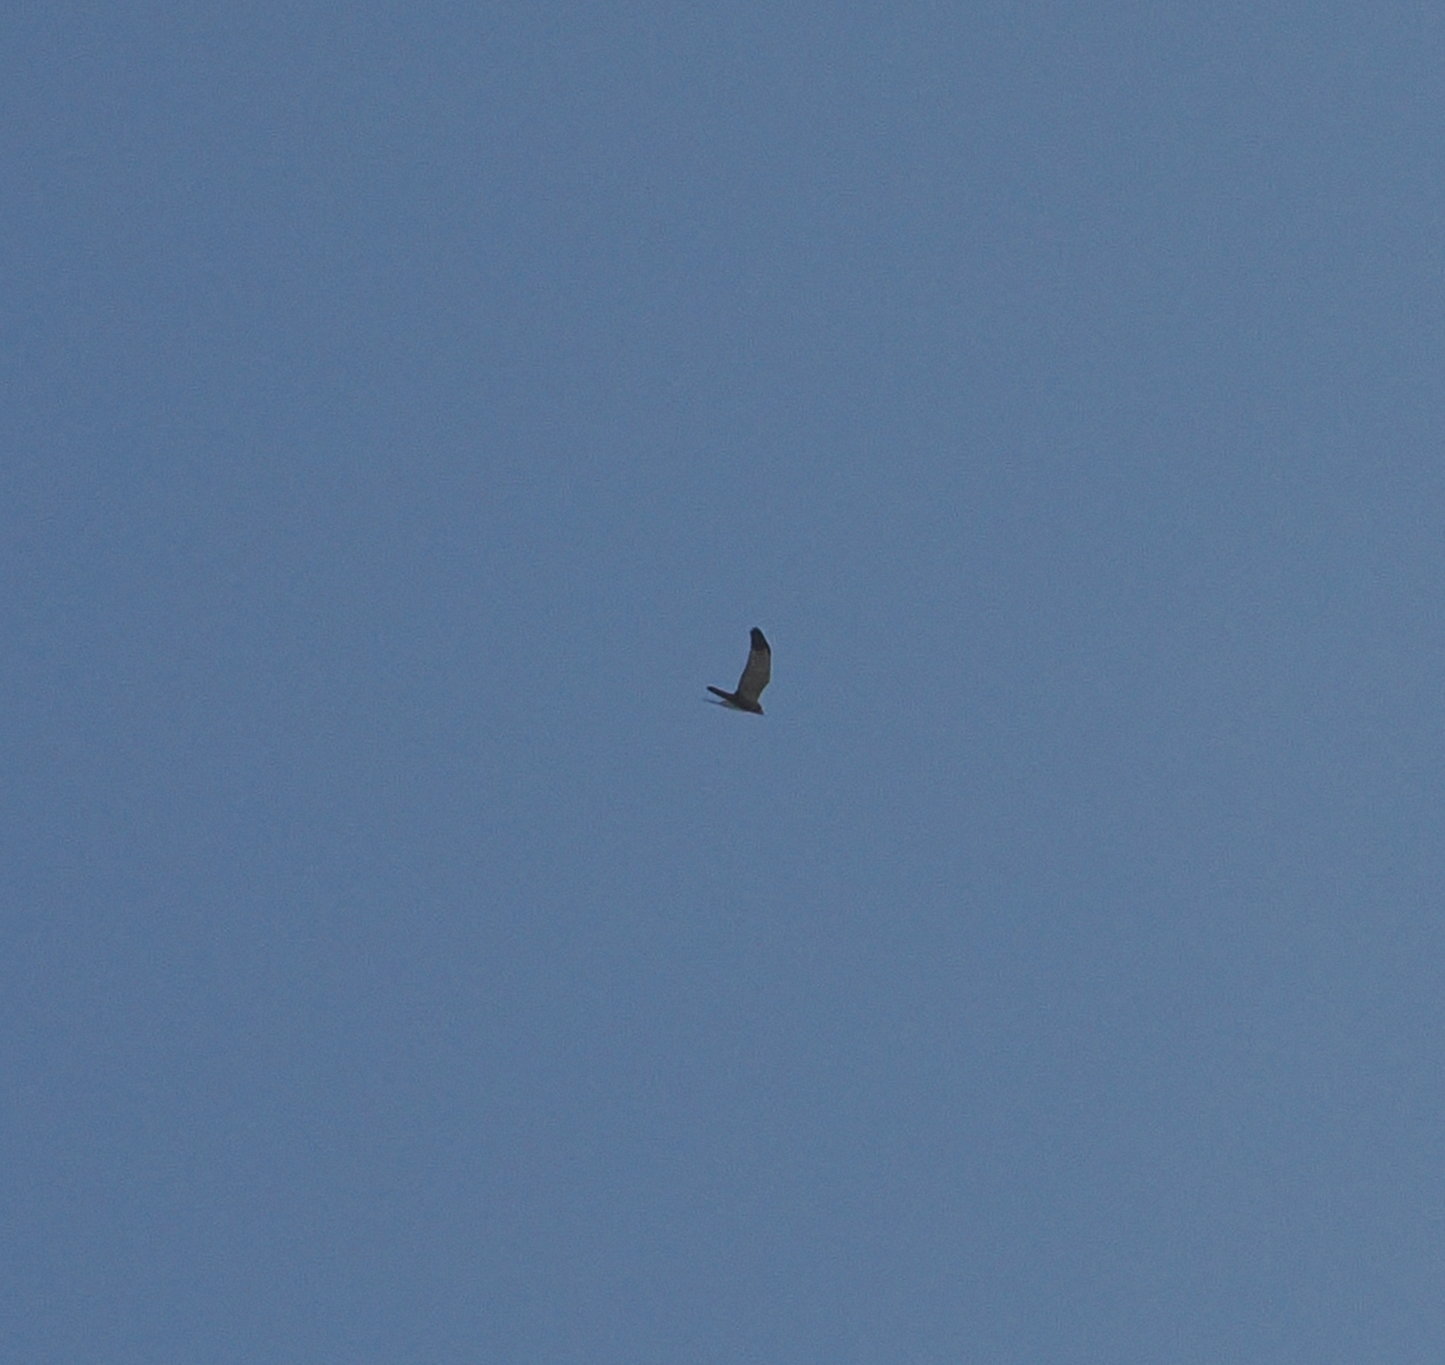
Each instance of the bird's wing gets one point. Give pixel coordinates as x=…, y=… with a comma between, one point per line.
x=757, y=670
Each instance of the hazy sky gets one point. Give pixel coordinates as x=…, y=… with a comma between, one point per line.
x=408, y=409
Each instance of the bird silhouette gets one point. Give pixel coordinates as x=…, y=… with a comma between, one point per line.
x=756, y=672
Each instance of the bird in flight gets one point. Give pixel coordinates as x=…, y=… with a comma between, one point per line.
x=756, y=672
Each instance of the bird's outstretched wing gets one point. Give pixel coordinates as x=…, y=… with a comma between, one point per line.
x=757, y=670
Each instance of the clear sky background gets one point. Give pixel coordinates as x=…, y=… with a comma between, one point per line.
x=408, y=408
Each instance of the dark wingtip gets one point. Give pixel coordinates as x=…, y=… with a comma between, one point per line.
x=760, y=641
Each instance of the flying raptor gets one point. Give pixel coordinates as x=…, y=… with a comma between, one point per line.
x=756, y=672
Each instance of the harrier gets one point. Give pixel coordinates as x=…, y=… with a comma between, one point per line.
x=756, y=672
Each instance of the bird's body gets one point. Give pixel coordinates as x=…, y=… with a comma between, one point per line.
x=756, y=672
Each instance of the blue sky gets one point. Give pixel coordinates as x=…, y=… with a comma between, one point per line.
x=408, y=411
